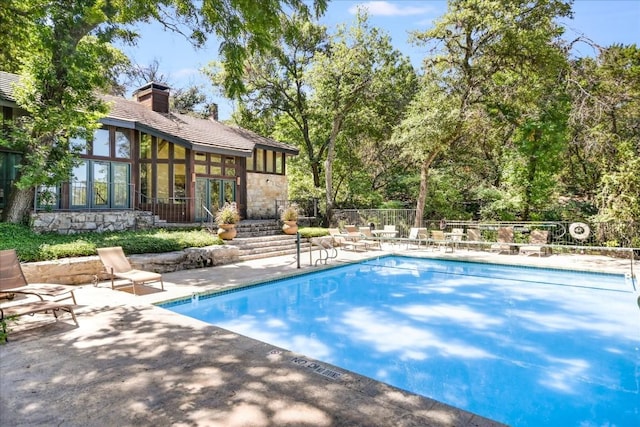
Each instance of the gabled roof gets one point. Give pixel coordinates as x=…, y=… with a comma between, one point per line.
x=205, y=135
x=6, y=85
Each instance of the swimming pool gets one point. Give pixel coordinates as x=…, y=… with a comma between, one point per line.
x=524, y=346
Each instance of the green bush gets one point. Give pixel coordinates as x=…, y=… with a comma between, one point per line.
x=309, y=232
x=39, y=247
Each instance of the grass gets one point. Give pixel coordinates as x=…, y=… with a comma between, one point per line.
x=31, y=246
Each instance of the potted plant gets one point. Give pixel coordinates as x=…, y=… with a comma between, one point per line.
x=227, y=217
x=289, y=216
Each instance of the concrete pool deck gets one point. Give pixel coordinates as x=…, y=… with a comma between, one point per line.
x=131, y=363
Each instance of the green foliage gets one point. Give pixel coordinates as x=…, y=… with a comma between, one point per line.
x=290, y=213
x=309, y=232
x=228, y=214
x=38, y=247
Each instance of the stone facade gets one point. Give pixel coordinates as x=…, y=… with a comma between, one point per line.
x=84, y=270
x=97, y=221
x=262, y=192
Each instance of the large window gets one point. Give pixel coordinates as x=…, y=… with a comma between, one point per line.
x=8, y=171
x=163, y=170
x=215, y=165
x=100, y=184
x=266, y=161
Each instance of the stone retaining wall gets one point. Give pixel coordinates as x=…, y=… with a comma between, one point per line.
x=84, y=270
x=99, y=221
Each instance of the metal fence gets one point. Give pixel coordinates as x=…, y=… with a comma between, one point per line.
x=564, y=233
x=307, y=208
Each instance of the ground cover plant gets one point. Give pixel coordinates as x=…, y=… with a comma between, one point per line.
x=31, y=246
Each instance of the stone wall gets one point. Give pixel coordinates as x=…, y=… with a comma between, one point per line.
x=84, y=270
x=98, y=221
x=262, y=192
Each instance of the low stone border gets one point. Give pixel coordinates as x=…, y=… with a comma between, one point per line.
x=83, y=270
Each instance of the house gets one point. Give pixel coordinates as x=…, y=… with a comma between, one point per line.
x=146, y=158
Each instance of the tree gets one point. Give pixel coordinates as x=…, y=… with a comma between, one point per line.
x=605, y=143
x=64, y=56
x=431, y=126
x=491, y=58
x=323, y=93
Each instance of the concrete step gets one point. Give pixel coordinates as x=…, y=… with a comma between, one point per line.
x=256, y=228
x=267, y=246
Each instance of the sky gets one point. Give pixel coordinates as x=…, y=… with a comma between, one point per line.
x=605, y=22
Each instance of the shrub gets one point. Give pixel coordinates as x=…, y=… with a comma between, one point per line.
x=228, y=214
x=290, y=213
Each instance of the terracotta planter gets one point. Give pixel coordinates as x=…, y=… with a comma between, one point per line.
x=227, y=231
x=290, y=227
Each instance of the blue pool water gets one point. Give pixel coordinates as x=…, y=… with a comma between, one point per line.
x=524, y=346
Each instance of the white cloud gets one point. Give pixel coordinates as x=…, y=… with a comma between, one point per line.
x=386, y=8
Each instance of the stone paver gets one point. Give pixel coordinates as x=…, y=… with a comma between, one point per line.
x=131, y=363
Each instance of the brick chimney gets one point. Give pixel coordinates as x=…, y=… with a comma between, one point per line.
x=154, y=96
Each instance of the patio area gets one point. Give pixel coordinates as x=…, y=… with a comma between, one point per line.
x=131, y=363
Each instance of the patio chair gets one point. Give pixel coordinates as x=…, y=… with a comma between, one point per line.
x=439, y=241
x=474, y=237
x=13, y=281
x=338, y=237
x=354, y=238
x=504, y=241
x=31, y=308
x=418, y=236
x=369, y=238
x=537, y=241
x=118, y=267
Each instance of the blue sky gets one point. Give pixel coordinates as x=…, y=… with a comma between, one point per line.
x=604, y=21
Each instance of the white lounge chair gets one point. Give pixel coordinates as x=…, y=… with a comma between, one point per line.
x=118, y=267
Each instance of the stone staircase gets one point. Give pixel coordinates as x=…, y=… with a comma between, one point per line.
x=258, y=239
x=267, y=246
x=259, y=228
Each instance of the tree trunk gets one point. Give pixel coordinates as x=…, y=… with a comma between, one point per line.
x=18, y=205
x=328, y=173
x=422, y=195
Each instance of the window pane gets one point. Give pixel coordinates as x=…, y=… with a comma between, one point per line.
x=279, y=163
x=230, y=171
x=146, y=183
x=201, y=169
x=163, y=183
x=101, y=143
x=163, y=149
x=120, y=174
x=229, y=191
x=250, y=163
x=78, y=145
x=216, y=170
x=179, y=181
x=178, y=152
x=216, y=158
x=123, y=145
x=230, y=160
x=259, y=160
x=100, y=184
x=270, y=167
x=79, y=185
x=47, y=197
x=200, y=157
x=145, y=146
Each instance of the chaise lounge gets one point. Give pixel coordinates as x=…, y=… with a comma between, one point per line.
x=13, y=281
x=118, y=267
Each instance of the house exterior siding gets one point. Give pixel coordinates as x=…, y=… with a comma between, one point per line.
x=175, y=167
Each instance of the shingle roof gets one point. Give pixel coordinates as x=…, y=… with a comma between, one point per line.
x=6, y=82
x=196, y=133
